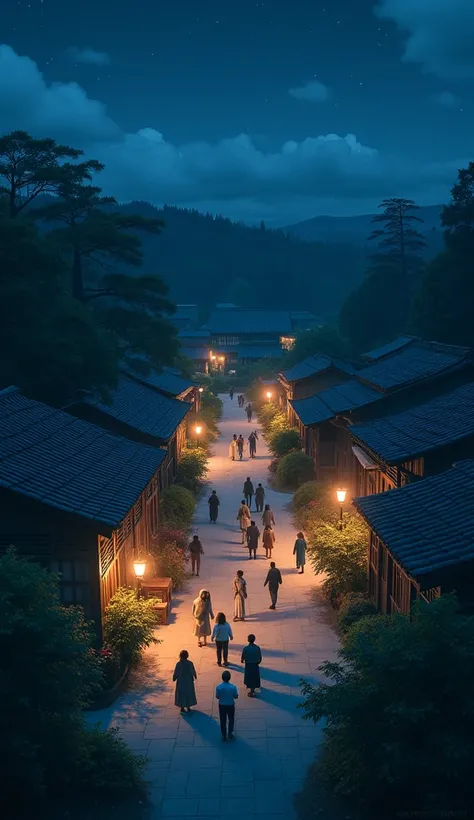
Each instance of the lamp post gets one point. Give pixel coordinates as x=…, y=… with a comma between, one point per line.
x=139, y=567
x=198, y=430
x=341, y=497
x=201, y=389
x=269, y=395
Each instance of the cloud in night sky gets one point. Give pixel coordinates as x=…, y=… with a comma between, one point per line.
x=325, y=173
x=440, y=34
x=89, y=56
x=447, y=99
x=313, y=91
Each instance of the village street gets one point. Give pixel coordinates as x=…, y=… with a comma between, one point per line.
x=192, y=772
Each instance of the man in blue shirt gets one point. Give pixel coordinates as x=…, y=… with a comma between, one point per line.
x=227, y=694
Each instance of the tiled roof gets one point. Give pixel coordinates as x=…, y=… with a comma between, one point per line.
x=420, y=360
x=249, y=321
x=193, y=334
x=428, y=525
x=197, y=353
x=316, y=364
x=390, y=347
x=427, y=426
x=139, y=406
x=67, y=463
x=325, y=405
x=169, y=381
x=259, y=351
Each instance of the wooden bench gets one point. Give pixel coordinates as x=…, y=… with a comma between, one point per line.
x=161, y=588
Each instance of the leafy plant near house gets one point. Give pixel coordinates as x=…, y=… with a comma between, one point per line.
x=192, y=469
x=341, y=555
x=275, y=426
x=354, y=606
x=294, y=469
x=129, y=624
x=266, y=413
x=107, y=763
x=170, y=554
x=306, y=494
x=399, y=718
x=177, y=506
x=313, y=502
x=284, y=442
x=167, y=533
x=48, y=675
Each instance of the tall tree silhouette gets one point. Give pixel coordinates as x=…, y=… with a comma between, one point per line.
x=398, y=241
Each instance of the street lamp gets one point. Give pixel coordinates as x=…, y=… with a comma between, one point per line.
x=201, y=389
x=198, y=430
x=269, y=394
x=341, y=497
x=139, y=567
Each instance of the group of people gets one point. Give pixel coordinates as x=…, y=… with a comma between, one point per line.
x=238, y=446
x=226, y=693
x=248, y=528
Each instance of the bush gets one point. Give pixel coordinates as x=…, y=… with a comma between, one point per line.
x=277, y=425
x=168, y=534
x=106, y=763
x=266, y=413
x=307, y=493
x=211, y=405
x=129, y=624
x=354, y=606
x=399, y=719
x=285, y=441
x=48, y=675
x=171, y=557
x=294, y=469
x=177, y=506
x=192, y=469
x=341, y=555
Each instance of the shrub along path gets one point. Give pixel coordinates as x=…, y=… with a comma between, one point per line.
x=192, y=773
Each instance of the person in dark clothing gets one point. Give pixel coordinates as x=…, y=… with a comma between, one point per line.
x=213, y=506
x=253, y=444
x=251, y=657
x=259, y=498
x=248, y=492
x=253, y=534
x=227, y=694
x=249, y=412
x=240, y=446
x=222, y=634
x=273, y=580
x=196, y=550
x=231, y=393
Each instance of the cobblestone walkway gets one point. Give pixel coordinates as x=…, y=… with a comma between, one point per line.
x=192, y=773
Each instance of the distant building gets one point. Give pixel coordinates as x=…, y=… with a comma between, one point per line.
x=195, y=345
x=186, y=317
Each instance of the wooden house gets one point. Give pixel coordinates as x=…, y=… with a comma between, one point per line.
x=76, y=498
x=311, y=376
x=195, y=345
x=391, y=347
x=421, y=540
x=140, y=412
x=241, y=336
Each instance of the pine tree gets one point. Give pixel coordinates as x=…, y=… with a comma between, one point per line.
x=398, y=242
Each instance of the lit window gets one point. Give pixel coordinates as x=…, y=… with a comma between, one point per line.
x=287, y=342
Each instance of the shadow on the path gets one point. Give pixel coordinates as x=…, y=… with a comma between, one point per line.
x=275, y=653
x=139, y=695
x=279, y=676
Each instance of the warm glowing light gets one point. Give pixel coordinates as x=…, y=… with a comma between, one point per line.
x=198, y=429
x=341, y=495
x=201, y=389
x=269, y=394
x=222, y=358
x=213, y=358
x=139, y=568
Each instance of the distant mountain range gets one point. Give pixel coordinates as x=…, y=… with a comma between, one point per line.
x=356, y=229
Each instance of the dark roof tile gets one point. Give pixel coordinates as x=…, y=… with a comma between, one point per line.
x=325, y=405
x=390, y=347
x=314, y=365
x=413, y=363
x=249, y=321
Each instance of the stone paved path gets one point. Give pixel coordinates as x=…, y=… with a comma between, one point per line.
x=194, y=774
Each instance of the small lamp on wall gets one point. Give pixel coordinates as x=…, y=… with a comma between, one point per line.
x=139, y=568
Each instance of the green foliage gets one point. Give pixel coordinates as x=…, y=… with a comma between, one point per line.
x=106, y=763
x=277, y=424
x=54, y=346
x=266, y=413
x=169, y=548
x=326, y=340
x=47, y=675
x=354, y=606
x=177, y=506
x=284, y=442
x=306, y=494
x=294, y=469
x=129, y=624
x=211, y=404
x=192, y=469
x=398, y=711
x=341, y=555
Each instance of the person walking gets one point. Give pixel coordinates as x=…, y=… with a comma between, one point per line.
x=273, y=580
x=213, y=507
x=253, y=534
x=202, y=614
x=299, y=550
x=222, y=634
x=231, y=393
x=184, y=674
x=253, y=438
x=244, y=518
x=251, y=657
x=196, y=550
x=233, y=447
x=249, y=412
x=259, y=497
x=268, y=540
x=248, y=492
x=227, y=694
x=268, y=517
x=240, y=595
x=240, y=446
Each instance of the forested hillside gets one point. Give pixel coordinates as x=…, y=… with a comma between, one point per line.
x=206, y=259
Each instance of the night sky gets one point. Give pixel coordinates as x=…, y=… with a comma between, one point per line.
x=277, y=110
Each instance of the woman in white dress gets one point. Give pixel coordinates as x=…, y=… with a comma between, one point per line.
x=245, y=519
x=240, y=594
x=233, y=448
x=202, y=614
